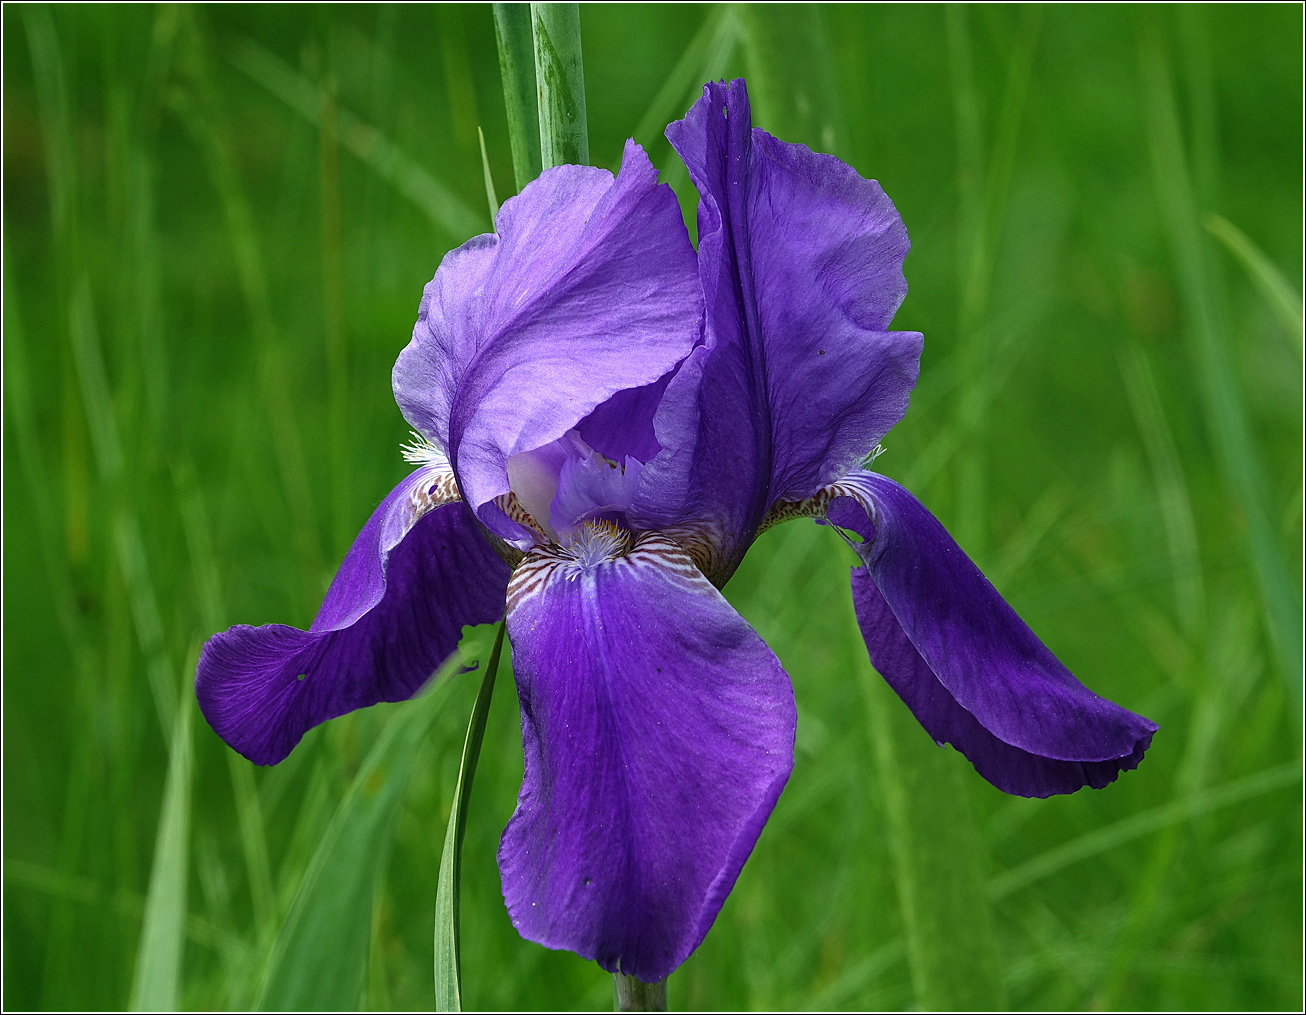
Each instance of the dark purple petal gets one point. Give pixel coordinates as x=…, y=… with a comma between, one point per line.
x=970, y=669
x=800, y=261
x=623, y=425
x=588, y=289
x=417, y=573
x=360, y=582
x=1009, y=768
x=659, y=731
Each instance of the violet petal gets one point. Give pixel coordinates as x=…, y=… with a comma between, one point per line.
x=1008, y=768
x=588, y=289
x=658, y=731
x=394, y=613
x=800, y=261
x=985, y=659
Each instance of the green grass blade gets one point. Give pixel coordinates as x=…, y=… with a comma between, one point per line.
x=560, y=82
x=36, y=470
x=319, y=960
x=128, y=541
x=685, y=82
x=448, y=968
x=1263, y=272
x=70, y=554
x=1171, y=488
x=491, y=198
x=208, y=589
x=1240, y=457
x=937, y=854
x=198, y=110
x=441, y=205
x=512, y=31
x=158, y=959
x=1135, y=827
x=131, y=906
x=984, y=193
x=714, y=60
x=791, y=74
x=89, y=359
x=337, y=336
x=61, y=163
x=854, y=978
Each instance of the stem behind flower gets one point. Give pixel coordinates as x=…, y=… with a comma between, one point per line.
x=560, y=80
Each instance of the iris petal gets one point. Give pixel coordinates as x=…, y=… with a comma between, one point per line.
x=416, y=574
x=588, y=289
x=1008, y=768
x=658, y=731
x=1002, y=698
x=800, y=261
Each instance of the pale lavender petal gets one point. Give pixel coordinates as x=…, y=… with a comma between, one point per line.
x=1036, y=729
x=800, y=261
x=592, y=487
x=417, y=573
x=533, y=476
x=659, y=731
x=588, y=289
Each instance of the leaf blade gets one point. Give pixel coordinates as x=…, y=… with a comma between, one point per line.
x=1208, y=334
x=448, y=971
x=319, y=960
x=157, y=979
x=717, y=33
x=1138, y=825
x=491, y=198
x=936, y=848
x=1263, y=272
x=442, y=206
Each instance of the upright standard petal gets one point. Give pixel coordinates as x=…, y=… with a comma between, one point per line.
x=417, y=573
x=970, y=669
x=658, y=731
x=800, y=261
x=589, y=289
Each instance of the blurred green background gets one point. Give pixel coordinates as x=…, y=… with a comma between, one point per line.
x=217, y=225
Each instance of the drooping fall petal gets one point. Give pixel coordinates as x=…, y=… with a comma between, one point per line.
x=659, y=732
x=970, y=669
x=417, y=573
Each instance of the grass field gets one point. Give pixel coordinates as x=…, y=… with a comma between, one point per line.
x=205, y=290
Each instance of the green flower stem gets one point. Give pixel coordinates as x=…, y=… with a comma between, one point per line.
x=512, y=31
x=631, y=994
x=560, y=84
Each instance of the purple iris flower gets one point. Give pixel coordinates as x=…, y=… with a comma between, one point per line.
x=606, y=420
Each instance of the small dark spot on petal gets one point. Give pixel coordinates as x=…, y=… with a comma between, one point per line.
x=820, y=352
x=588, y=882
x=658, y=668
